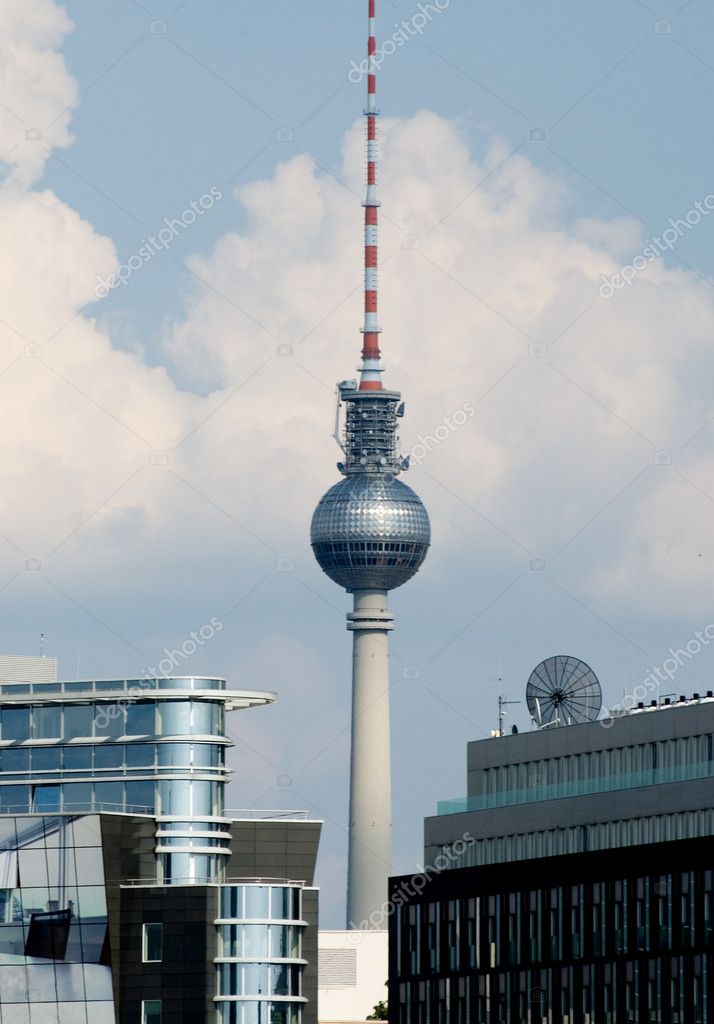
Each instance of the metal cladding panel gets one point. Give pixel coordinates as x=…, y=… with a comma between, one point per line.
x=18, y=668
x=185, y=978
x=279, y=849
x=309, y=949
x=370, y=532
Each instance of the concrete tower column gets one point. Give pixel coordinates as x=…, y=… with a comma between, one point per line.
x=370, y=835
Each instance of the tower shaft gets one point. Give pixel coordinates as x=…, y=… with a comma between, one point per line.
x=370, y=835
x=370, y=533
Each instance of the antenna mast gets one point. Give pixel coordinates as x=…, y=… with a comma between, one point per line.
x=370, y=377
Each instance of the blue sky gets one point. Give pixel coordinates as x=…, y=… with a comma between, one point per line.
x=177, y=97
x=581, y=129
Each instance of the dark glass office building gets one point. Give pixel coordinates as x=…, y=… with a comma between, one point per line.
x=128, y=893
x=572, y=885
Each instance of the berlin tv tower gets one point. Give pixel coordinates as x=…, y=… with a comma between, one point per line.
x=370, y=534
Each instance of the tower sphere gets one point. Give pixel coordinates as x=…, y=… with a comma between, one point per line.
x=370, y=531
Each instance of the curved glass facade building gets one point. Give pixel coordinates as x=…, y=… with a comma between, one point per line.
x=177, y=911
x=143, y=746
x=260, y=962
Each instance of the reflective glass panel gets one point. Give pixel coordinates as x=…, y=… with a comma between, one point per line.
x=255, y=940
x=109, y=720
x=47, y=799
x=46, y=759
x=153, y=943
x=14, y=798
x=109, y=795
x=175, y=717
x=109, y=755
x=151, y=1011
x=47, y=723
x=206, y=755
x=77, y=796
x=15, y=723
x=78, y=758
x=140, y=755
x=140, y=719
x=174, y=754
x=257, y=903
x=15, y=760
x=78, y=721
x=202, y=718
x=140, y=797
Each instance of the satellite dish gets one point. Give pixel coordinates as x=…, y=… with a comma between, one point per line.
x=563, y=691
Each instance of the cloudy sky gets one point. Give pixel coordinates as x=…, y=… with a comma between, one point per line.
x=163, y=442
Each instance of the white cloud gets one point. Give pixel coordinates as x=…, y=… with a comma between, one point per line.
x=38, y=92
x=481, y=260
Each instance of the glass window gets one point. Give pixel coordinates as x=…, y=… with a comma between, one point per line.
x=14, y=799
x=78, y=721
x=109, y=720
x=175, y=797
x=151, y=1011
x=140, y=755
x=257, y=901
x=174, y=754
x=140, y=797
x=78, y=758
x=232, y=901
x=15, y=760
x=77, y=796
x=255, y=939
x=46, y=799
x=202, y=718
x=47, y=723
x=140, y=719
x=109, y=755
x=45, y=759
x=175, y=718
x=15, y=723
x=153, y=943
x=206, y=755
x=109, y=795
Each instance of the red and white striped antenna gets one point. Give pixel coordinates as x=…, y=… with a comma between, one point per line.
x=371, y=371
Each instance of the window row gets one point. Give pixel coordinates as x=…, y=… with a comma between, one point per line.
x=259, y=979
x=133, y=687
x=658, y=828
x=676, y=990
x=112, y=756
x=258, y=1012
x=142, y=718
x=261, y=902
x=145, y=796
x=136, y=797
x=660, y=913
x=573, y=768
x=267, y=942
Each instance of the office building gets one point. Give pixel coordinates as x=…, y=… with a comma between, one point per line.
x=128, y=893
x=572, y=883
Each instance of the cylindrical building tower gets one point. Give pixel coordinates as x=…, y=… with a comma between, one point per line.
x=370, y=534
